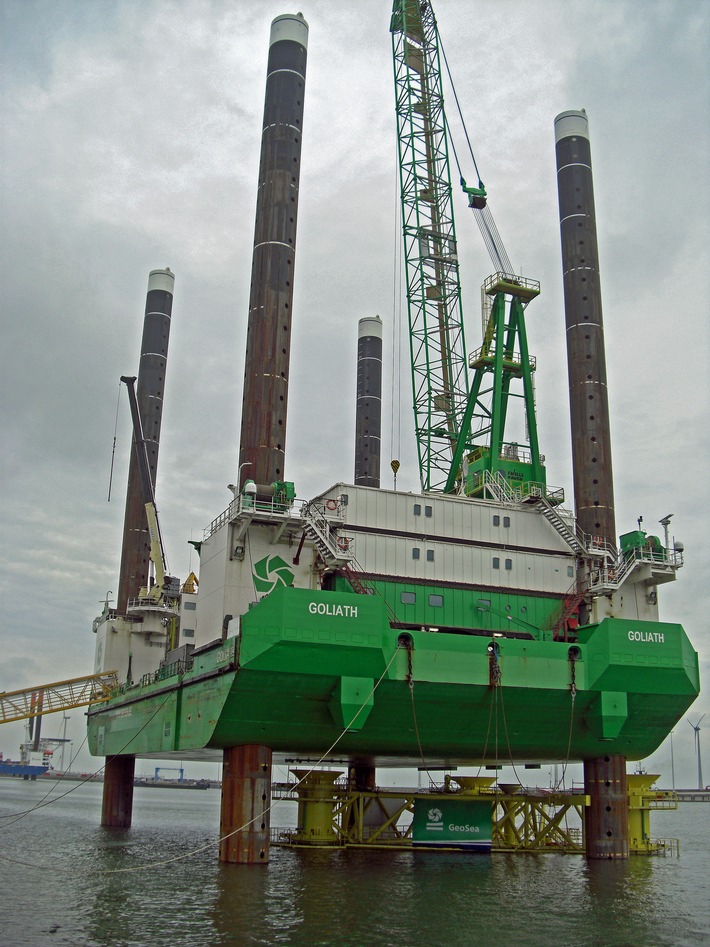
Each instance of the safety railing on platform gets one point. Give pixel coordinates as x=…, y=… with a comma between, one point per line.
x=335, y=549
x=655, y=846
x=486, y=353
x=167, y=603
x=611, y=574
x=176, y=669
x=500, y=488
x=246, y=505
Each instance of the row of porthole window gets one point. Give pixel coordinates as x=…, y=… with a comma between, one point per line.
x=410, y=598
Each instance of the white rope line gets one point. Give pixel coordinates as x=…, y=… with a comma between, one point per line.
x=41, y=804
x=245, y=825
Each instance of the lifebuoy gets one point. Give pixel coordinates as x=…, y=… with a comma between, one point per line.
x=331, y=504
x=343, y=542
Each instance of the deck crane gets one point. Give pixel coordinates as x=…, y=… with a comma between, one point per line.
x=460, y=423
x=165, y=586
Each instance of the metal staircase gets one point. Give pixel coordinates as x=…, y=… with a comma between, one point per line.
x=500, y=489
x=356, y=582
x=497, y=487
x=564, y=611
x=571, y=537
x=334, y=550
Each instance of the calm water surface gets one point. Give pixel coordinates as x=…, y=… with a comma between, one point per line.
x=63, y=883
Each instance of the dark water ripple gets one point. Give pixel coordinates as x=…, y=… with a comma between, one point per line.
x=78, y=893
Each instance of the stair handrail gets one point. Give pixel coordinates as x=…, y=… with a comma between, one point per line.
x=318, y=524
x=614, y=575
x=571, y=601
x=500, y=487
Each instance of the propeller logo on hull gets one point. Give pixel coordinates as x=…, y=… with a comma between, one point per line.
x=270, y=572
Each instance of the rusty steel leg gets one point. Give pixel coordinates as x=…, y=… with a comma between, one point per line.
x=246, y=795
x=606, y=820
x=363, y=777
x=117, y=807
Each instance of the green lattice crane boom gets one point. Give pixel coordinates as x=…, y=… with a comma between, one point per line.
x=438, y=351
x=460, y=425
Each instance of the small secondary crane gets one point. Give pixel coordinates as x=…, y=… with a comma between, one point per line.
x=164, y=583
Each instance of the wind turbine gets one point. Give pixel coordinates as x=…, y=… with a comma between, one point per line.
x=696, y=728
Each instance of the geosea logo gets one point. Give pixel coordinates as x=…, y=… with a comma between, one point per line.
x=435, y=820
x=270, y=572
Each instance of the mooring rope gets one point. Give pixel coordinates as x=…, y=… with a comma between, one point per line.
x=18, y=816
x=410, y=678
x=89, y=778
x=197, y=851
x=573, y=694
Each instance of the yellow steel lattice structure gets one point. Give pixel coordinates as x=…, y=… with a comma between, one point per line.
x=535, y=821
x=332, y=814
x=61, y=695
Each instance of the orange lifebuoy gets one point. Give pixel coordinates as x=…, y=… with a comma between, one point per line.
x=331, y=504
x=343, y=542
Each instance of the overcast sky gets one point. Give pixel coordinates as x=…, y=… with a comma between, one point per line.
x=129, y=140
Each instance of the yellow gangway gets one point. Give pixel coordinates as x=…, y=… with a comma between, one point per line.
x=61, y=695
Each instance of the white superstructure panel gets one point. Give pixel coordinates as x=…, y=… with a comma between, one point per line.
x=433, y=538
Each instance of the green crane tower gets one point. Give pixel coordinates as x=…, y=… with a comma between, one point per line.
x=460, y=425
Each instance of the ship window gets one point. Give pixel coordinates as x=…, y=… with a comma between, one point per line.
x=506, y=521
x=190, y=606
x=417, y=509
x=416, y=552
x=508, y=564
x=496, y=562
x=430, y=555
x=496, y=520
x=408, y=598
x=188, y=632
x=436, y=600
x=570, y=571
x=428, y=511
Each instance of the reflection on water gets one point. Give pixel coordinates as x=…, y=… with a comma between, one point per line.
x=81, y=893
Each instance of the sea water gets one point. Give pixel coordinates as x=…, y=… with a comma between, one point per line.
x=67, y=881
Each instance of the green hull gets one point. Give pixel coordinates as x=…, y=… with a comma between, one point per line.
x=300, y=679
